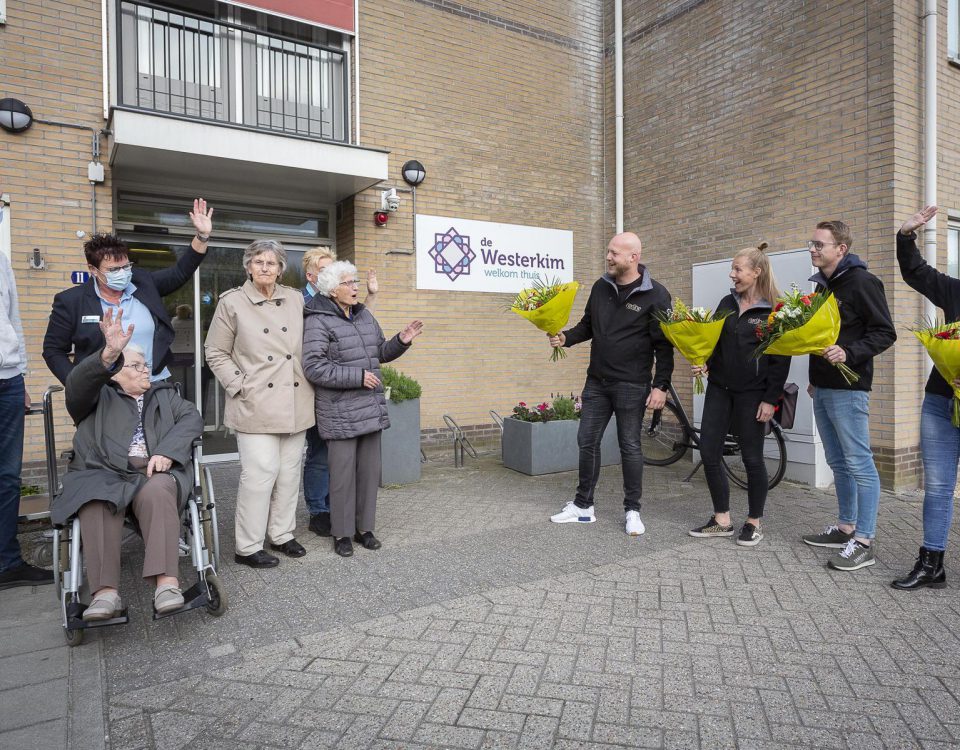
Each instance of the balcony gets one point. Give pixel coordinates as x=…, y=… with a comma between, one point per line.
x=182, y=64
x=211, y=104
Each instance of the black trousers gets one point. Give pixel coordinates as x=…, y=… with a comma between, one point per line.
x=726, y=411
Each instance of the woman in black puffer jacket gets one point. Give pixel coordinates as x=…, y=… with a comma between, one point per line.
x=343, y=347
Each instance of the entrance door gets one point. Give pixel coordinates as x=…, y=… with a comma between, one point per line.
x=191, y=309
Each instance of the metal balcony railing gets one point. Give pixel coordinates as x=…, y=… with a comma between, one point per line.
x=188, y=65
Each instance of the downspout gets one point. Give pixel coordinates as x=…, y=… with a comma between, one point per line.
x=618, y=107
x=356, y=71
x=930, y=137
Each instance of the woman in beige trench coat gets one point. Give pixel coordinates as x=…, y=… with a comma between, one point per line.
x=254, y=348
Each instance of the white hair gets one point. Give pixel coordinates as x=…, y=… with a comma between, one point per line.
x=331, y=276
x=132, y=348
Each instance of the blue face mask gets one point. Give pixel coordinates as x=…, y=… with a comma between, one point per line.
x=118, y=280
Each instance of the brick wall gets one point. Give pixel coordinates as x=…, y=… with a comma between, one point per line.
x=502, y=103
x=50, y=54
x=749, y=121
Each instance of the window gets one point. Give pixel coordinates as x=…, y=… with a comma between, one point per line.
x=953, y=30
x=953, y=249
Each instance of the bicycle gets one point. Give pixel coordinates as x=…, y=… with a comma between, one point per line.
x=667, y=434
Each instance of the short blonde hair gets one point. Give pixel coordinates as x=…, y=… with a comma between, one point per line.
x=314, y=255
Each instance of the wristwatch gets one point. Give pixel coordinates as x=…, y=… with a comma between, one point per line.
x=202, y=237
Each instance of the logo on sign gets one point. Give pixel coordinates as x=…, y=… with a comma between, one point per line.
x=451, y=254
x=79, y=277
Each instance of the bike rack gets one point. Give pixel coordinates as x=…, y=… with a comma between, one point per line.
x=461, y=443
x=498, y=420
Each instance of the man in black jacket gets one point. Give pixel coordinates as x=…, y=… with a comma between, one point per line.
x=842, y=409
x=114, y=285
x=626, y=340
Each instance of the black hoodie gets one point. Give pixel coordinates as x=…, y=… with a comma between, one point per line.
x=732, y=365
x=866, y=328
x=626, y=337
x=940, y=289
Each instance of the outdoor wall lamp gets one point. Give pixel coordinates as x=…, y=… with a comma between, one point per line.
x=413, y=172
x=15, y=116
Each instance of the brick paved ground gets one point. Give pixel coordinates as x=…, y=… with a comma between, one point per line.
x=481, y=625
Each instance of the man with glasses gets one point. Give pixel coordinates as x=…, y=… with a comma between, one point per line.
x=116, y=284
x=842, y=409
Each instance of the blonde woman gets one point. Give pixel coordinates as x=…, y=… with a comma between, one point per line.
x=742, y=394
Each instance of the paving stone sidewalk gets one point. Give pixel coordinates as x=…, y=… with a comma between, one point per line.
x=481, y=625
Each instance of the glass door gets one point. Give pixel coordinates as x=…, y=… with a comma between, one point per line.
x=191, y=309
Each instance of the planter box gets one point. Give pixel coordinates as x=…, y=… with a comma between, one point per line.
x=400, y=444
x=548, y=447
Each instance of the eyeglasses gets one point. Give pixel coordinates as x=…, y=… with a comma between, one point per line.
x=818, y=246
x=138, y=366
x=125, y=267
x=264, y=263
x=351, y=282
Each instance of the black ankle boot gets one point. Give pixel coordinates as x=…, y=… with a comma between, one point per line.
x=927, y=572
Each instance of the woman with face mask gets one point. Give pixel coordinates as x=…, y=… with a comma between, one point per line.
x=116, y=284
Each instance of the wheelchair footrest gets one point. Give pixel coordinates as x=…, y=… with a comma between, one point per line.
x=193, y=598
x=75, y=619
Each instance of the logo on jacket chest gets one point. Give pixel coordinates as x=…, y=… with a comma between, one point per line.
x=756, y=321
x=632, y=306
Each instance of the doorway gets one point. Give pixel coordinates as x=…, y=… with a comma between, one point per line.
x=191, y=309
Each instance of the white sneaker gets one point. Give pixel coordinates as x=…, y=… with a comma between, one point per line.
x=635, y=526
x=572, y=514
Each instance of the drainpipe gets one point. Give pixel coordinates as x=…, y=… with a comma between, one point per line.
x=356, y=71
x=930, y=137
x=618, y=107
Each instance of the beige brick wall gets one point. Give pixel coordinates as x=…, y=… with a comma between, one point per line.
x=508, y=126
x=50, y=54
x=750, y=121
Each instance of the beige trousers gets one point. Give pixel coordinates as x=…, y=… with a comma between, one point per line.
x=101, y=531
x=270, y=467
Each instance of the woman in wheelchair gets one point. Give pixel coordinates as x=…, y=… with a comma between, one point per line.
x=132, y=452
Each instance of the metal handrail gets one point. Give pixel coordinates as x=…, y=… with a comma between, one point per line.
x=214, y=70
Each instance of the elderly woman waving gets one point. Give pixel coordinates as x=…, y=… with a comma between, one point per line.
x=131, y=452
x=342, y=350
x=254, y=347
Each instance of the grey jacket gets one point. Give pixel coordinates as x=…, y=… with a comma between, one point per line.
x=106, y=419
x=13, y=350
x=336, y=351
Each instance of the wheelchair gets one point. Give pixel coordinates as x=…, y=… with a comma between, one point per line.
x=198, y=518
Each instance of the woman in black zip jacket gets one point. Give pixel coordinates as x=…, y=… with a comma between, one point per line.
x=939, y=439
x=742, y=393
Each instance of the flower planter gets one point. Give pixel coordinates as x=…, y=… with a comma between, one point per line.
x=400, y=444
x=547, y=447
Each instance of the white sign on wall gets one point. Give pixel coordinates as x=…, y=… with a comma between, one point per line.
x=462, y=255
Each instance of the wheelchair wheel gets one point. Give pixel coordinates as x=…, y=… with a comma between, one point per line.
x=774, y=455
x=217, y=594
x=211, y=528
x=662, y=436
x=73, y=637
x=43, y=555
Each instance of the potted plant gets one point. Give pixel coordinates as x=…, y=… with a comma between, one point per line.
x=400, y=443
x=543, y=439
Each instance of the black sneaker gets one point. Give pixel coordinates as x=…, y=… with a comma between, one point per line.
x=831, y=537
x=710, y=529
x=25, y=575
x=750, y=535
x=320, y=524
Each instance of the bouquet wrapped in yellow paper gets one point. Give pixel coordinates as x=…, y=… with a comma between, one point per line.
x=942, y=342
x=694, y=331
x=547, y=305
x=802, y=324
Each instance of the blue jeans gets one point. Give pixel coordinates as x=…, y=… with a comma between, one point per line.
x=843, y=421
x=316, y=476
x=11, y=461
x=940, y=446
x=601, y=400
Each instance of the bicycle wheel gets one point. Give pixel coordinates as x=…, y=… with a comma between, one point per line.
x=662, y=436
x=774, y=455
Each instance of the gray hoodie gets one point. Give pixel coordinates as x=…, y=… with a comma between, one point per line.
x=13, y=348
